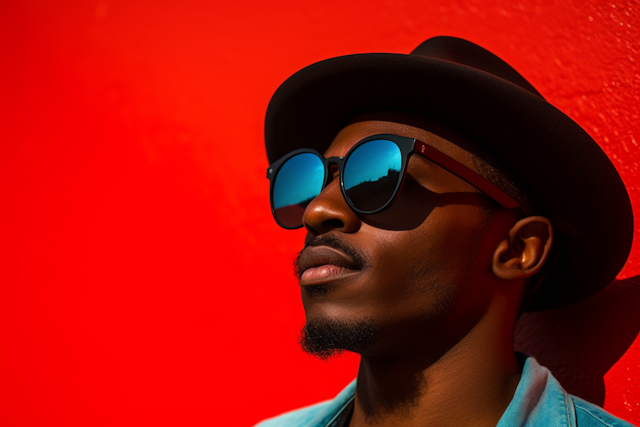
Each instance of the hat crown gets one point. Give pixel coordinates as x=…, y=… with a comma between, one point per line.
x=466, y=53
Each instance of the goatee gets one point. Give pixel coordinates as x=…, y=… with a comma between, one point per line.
x=326, y=339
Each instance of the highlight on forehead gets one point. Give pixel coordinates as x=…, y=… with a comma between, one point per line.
x=430, y=132
x=430, y=125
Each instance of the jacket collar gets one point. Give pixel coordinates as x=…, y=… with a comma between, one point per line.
x=539, y=400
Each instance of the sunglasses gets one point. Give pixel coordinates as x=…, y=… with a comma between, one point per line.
x=371, y=176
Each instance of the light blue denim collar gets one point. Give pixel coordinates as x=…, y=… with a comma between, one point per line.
x=339, y=404
x=539, y=400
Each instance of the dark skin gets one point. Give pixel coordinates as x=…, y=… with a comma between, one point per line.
x=443, y=283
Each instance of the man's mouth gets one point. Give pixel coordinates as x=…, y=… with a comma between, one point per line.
x=327, y=271
x=326, y=260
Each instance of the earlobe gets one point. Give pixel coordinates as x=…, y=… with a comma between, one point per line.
x=525, y=250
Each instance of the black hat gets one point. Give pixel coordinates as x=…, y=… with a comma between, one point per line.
x=470, y=89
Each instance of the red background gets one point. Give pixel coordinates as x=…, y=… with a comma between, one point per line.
x=142, y=279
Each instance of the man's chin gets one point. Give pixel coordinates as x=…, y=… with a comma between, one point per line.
x=327, y=338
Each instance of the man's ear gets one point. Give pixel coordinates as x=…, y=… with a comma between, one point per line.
x=523, y=253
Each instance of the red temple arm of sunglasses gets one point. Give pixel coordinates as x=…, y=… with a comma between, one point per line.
x=468, y=175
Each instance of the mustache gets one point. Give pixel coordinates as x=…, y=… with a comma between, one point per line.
x=333, y=242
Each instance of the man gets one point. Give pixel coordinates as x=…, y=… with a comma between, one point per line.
x=442, y=196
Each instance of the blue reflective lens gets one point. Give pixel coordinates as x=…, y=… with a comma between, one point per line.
x=299, y=181
x=371, y=174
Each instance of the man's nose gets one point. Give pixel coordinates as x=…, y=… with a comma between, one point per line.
x=330, y=212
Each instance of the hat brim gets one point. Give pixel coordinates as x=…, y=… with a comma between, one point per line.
x=565, y=169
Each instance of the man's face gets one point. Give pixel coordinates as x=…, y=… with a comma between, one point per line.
x=417, y=275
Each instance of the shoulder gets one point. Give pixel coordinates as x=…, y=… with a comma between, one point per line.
x=295, y=418
x=590, y=415
x=540, y=401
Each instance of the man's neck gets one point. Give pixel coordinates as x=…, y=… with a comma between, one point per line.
x=471, y=384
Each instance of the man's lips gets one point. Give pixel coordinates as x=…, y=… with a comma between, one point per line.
x=323, y=272
x=320, y=263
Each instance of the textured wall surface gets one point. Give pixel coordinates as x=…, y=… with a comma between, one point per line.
x=142, y=278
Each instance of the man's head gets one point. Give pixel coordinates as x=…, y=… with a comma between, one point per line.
x=444, y=257
x=431, y=265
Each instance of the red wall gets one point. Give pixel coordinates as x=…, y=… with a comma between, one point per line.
x=142, y=279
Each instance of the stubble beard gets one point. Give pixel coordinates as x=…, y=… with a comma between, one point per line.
x=326, y=338
x=329, y=338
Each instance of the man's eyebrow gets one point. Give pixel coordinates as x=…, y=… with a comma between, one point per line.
x=429, y=177
x=470, y=175
x=428, y=162
x=448, y=147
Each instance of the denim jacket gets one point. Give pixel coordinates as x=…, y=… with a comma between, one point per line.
x=539, y=401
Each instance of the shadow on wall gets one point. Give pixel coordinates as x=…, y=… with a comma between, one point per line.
x=581, y=342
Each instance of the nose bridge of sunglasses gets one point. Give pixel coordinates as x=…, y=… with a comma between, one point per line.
x=334, y=160
x=333, y=166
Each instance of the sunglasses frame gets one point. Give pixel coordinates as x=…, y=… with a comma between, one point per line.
x=407, y=147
